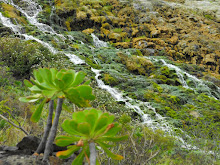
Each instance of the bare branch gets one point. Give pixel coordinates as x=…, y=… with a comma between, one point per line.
x=17, y=126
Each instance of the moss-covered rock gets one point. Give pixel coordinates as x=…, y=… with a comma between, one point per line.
x=13, y=13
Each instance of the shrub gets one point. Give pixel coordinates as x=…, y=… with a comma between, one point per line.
x=142, y=146
x=21, y=56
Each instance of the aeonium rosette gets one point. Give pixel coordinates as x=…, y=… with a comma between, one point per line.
x=89, y=126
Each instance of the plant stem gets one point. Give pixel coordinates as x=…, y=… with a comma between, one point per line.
x=92, y=153
x=17, y=126
x=42, y=144
x=53, y=130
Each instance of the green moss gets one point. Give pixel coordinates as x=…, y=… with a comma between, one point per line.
x=157, y=87
x=92, y=64
x=209, y=16
x=117, y=30
x=11, y=12
x=139, y=52
x=109, y=80
x=170, y=112
x=137, y=65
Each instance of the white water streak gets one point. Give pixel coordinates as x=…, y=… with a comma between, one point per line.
x=75, y=59
x=98, y=43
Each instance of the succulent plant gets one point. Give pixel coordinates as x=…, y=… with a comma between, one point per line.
x=50, y=84
x=89, y=127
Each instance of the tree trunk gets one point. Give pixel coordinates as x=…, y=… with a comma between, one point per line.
x=42, y=144
x=53, y=130
x=92, y=153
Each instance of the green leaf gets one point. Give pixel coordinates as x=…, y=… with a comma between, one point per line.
x=110, y=118
x=101, y=123
x=91, y=119
x=67, y=153
x=49, y=93
x=97, y=162
x=99, y=112
x=66, y=140
x=87, y=82
x=110, y=154
x=85, y=92
x=70, y=127
x=35, y=89
x=28, y=83
x=53, y=73
x=79, y=77
x=36, y=115
x=60, y=74
x=104, y=144
x=79, y=116
x=68, y=78
x=37, y=76
x=113, y=139
x=113, y=131
x=47, y=76
x=84, y=128
x=74, y=96
x=30, y=98
x=59, y=84
x=66, y=108
x=79, y=159
x=40, y=86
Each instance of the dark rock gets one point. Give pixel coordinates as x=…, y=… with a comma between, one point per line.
x=29, y=142
x=1, y=148
x=121, y=102
x=58, y=148
x=9, y=148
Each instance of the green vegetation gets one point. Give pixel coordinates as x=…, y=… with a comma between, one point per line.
x=192, y=113
x=11, y=12
x=209, y=16
x=22, y=56
x=87, y=128
x=117, y=30
x=49, y=85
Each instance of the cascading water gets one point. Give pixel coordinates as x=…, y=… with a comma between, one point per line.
x=181, y=74
x=97, y=42
x=31, y=15
x=76, y=60
x=135, y=105
x=156, y=122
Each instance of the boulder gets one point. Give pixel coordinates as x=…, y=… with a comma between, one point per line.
x=29, y=142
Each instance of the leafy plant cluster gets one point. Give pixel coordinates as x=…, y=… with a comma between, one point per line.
x=87, y=127
x=197, y=114
x=22, y=56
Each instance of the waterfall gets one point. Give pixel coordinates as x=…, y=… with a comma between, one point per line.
x=158, y=123
x=31, y=12
x=6, y=22
x=75, y=59
x=31, y=15
x=155, y=122
x=181, y=74
x=98, y=43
